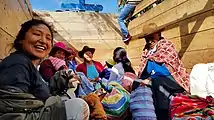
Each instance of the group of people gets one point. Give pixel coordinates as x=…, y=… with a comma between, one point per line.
x=62, y=88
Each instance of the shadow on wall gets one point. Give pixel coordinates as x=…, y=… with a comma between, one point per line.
x=184, y=30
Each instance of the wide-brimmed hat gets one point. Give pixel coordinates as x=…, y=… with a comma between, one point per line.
x=85, y=49
x=150, y=28
x=57, y=46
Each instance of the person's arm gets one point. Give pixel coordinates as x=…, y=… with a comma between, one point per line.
x=22, y=77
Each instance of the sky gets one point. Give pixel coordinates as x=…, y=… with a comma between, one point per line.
x=109, y=6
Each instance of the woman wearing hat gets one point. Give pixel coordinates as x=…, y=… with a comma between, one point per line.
x=71, y=60
x=89, y=67
x=55, y=62
x=160, y=64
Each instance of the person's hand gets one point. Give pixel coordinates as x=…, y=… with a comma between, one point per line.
x=151, y=58
x=146, y=82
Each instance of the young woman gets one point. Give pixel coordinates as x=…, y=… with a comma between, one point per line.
x=23, y=90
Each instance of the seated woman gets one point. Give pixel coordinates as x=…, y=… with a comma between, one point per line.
x=23, y=90
x=89, y=67
x=160, y=62
x=55, y=62
x=123, y=65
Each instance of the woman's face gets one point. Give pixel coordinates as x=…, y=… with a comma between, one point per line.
x=71, y=57
x=60, y=54
x=152, y=40
x=88, y=56
x=38, y=41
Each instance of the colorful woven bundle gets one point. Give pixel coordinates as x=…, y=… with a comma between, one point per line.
x=192, y=107
x=116, y=101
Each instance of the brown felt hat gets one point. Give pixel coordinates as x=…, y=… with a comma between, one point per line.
x=150, y=28
x=85, y=49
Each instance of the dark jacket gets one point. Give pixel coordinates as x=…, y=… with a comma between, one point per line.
x=105, y=73
x=83, y=67
x=18, y=71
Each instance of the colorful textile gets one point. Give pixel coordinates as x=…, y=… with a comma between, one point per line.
x=192, y=107
x=128, y=80
x=116, y=101
x=105, y=73
x=92, y=72
x=72, y=65
x=56, y=62
x=96, y=109
x=167, y=54
x=85, y=86
x=141, y=104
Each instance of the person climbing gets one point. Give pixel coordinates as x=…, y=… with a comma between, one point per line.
x=129, y=7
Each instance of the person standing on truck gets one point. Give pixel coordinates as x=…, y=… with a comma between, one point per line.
x=129, y=6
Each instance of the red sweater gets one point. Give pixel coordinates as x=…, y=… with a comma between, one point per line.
x=83, y=67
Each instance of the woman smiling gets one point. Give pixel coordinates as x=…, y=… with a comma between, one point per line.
x=23, y=93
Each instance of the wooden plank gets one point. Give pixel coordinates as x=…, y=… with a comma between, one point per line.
x=142, y=5
x=199, y=41
x=156, y=11
x=183, y=11
x=198, y=23
x=5, y=44
x=200, y=56
x=26, y=7
x=13, y=16
x=8, y=11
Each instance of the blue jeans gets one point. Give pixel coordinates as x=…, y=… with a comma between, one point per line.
x=128, y=8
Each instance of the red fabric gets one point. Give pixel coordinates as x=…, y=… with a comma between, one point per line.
x=166, y=53
x=189, y=105
x=83, y=68
x=47, y=70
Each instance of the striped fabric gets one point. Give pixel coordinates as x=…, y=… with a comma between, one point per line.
x=192, y=107
x=116, y=102
x=141, y=104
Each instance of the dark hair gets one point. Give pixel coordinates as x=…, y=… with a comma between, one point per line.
x=108, y=65
x=120, y=55
x=24, y=29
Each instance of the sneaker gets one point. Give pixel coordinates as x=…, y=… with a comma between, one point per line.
x=127, y=38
